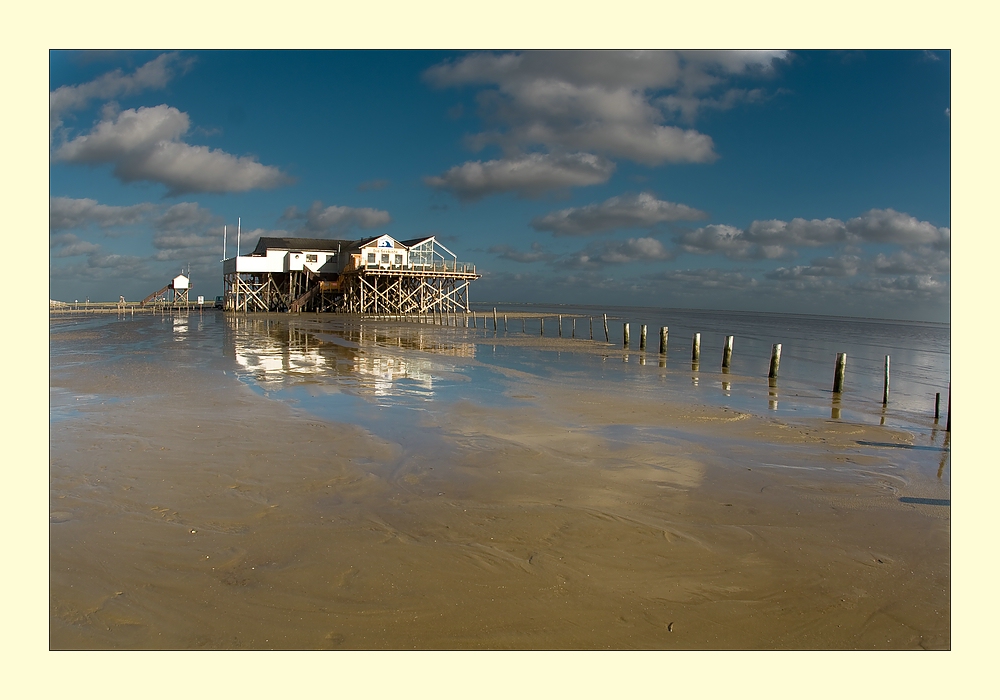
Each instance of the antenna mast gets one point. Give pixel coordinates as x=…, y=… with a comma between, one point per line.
x=237, y=236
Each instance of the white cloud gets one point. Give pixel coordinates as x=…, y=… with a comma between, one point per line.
x=717, y=238
x=608, y=102
x=624, y=211
x=890, y=226
x=775, y=239
x=529, y=176
x=67, y=213
x=797, y=232
x=908, y=285
x=922, y=261
x=152, y=75
x=186, y=216
x=618, y=252
x=320, y=220
x=68, y=245
x=145, y=145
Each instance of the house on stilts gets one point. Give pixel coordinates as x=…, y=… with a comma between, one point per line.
x=377, y=275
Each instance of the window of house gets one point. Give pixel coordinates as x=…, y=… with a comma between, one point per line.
x=399, y=259
x=385, y=258
x=371, y=258
x=311, y=257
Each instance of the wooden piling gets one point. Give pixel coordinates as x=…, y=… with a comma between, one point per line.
x=541, y=325
x=642, y=337
x=522, y=325
x=574, y=326
x=591, y=327
x=560, y=325
x=885, y=383
x=838, y=373
x=948, y=425
x=727, y=352
x=772, y=373
x=505, y=323
x=494, y=319
x=937, y=406
x=696, y=348
x=663, y=340
x=607, y=336
x=625, y=334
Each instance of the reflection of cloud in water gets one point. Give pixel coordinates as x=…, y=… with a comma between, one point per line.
x=364, y=360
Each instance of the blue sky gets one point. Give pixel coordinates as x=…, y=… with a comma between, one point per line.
x=798, y=181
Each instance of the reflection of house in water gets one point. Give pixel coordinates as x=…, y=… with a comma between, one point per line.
x=377, y=275
x=277, y=352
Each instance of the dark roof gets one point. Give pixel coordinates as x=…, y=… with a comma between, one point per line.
x=325, y=244
x=413, y=241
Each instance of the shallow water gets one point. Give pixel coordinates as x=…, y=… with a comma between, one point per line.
x=363, y=371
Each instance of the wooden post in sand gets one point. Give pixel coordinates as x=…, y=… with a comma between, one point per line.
x=522, y=325
x=625, y=334
x=885, y=383
x=505, y=323
x=541, y=325
x=574, y=327
x=642, y=337
x=948, y=426
x=696, y=348
x=494, y=319
x=560, y=325
x=663, y=340
x=838, y=374
x=772, y=373
x=591, y=327
x=607, y=336
x=727, y=352
x=937, y=406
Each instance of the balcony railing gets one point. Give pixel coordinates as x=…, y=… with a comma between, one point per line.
x=446, y=266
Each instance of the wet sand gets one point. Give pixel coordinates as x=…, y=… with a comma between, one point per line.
x=189, y=512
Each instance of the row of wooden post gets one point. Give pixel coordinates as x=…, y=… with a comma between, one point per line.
x=839, y=372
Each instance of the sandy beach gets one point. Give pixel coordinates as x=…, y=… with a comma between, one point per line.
x=191, y=511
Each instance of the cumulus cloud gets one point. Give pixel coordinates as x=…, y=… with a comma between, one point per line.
x=922, y=261
x=536, y=254
x=717, y=238
x=152, y=75
x=145, y=145
x=529, y=175
x=890, y=226
x=797, y=232
x=188, y=226
x=68, y=245
x=774, y=239
x=618, y=252
x=67, y=213
x=608, y=102
x=334, y=220
x=905, y=284
x=625, y=211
